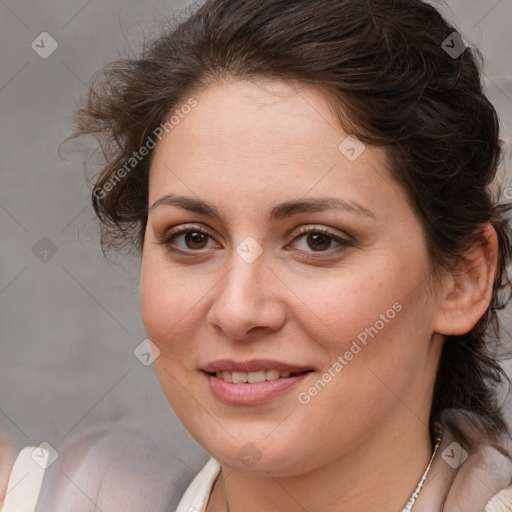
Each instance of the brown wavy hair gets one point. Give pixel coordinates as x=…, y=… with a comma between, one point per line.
x=382, y=65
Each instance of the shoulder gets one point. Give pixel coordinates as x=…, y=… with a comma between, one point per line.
x=501, y=502
x=25, y=479
x=472, y=471
x=108, y=469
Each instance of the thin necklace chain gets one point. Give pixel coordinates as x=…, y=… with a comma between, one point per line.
x=414, y=496
x=412, y=499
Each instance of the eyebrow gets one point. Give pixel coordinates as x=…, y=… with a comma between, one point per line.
x=278, y=212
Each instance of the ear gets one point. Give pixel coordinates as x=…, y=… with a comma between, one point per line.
x=467, y=289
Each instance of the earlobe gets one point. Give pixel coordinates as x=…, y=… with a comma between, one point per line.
x=467, y=289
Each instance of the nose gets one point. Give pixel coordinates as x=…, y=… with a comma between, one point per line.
x=246, y=302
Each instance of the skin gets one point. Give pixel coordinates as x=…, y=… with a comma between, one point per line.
x=362, y=443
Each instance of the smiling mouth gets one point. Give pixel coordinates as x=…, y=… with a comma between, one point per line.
x=254, y=382
x=254, y=377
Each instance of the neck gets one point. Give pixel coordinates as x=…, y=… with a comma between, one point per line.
x=378, y=475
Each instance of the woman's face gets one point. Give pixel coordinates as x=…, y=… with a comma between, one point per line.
x=277, y=250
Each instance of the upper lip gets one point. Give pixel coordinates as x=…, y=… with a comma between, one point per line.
x=254, y=365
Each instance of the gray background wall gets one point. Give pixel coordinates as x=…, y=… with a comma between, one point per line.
x=69, y=325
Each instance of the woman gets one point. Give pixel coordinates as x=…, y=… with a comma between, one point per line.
x=310, y=185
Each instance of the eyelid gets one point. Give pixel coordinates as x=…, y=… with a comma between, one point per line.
x=312, y=228
x=180, y=230
x=183, y=228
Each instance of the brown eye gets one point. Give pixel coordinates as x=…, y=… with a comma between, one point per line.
x=195, y=240
x=318, y=241
x=188, y=240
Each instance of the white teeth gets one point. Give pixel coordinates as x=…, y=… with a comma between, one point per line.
x=239, y=377
x=256, y=376
x=252, y=377
x=273, y=374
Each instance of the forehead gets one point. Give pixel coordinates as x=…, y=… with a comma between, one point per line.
x=268, y=140
x=239, y=117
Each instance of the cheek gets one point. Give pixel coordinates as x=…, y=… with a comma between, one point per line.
x=173, y=305
x=163, y=301
x=351, y=307
x=165, y=311
x=370, y=326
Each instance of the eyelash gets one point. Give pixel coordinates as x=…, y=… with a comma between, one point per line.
x=344, y=243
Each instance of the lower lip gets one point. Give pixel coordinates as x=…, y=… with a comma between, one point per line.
x=246, y=393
